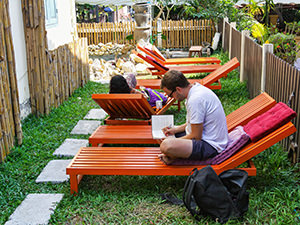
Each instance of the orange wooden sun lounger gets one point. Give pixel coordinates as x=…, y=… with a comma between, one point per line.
x=121, y=107
x=159, y=70
x=154, y=53
x=142, y=134
x=211, y=81
x=144, y=160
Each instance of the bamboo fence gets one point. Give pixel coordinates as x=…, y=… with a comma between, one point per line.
x=179, y=34
x=106, y=32
x=52, y=75
x=10, y=125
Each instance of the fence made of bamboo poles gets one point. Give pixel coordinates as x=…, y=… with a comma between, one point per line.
x=52, y=75
x=10, y=125
x=106, y=32
x=179, y=34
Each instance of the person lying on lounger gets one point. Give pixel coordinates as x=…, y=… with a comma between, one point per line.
x=119, y=85
x=204, y=135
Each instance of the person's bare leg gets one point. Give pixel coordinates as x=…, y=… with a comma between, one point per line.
x=175, y=148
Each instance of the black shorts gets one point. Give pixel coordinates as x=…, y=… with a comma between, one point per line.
x=201, y=149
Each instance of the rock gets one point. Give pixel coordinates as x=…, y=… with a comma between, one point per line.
x=141, y=68
x=134, y=58
x=128, y=67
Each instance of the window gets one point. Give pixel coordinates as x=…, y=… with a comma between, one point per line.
x=50, y=12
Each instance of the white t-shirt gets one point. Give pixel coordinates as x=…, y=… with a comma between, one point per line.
x=203, y=106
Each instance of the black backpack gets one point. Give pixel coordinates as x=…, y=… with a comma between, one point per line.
x=221, y=197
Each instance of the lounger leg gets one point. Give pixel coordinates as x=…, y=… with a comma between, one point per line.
x=74, y=184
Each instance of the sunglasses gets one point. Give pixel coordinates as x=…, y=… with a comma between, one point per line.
x=171, y=94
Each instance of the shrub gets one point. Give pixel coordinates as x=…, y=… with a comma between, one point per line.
x=285, y=46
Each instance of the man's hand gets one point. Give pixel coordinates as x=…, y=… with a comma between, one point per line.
x=169, y=131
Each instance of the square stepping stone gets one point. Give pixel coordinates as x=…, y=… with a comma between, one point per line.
x=70, y=147
x=85, y=127
x=95, y=114
x=35, y=209
x=54, y=172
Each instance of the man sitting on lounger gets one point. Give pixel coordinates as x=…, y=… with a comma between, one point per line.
x=204, y=134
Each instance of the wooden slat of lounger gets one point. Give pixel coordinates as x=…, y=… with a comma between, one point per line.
x=144, y=160
x=221, y=72
x=170, y=102
x=155, y=83
x=158, y=57
x=201, y=60
x=124, y=105
x=184, y=69
x=207, y=81
x=195, y=68
x=254, y=149
x=105, y=134
x=250, y=110
x=122, y=134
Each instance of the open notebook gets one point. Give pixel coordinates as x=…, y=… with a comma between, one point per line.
x=159, y=122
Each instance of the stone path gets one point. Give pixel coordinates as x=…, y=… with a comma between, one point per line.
x=38, y=208
x=35, y=209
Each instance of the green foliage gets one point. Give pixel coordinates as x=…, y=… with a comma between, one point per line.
x=260, y=10
x=129, y=37
x=153, y=38
x=260, y=32
x=165, y=5
x=285, y=46
x=214, y=10
x=293, y=28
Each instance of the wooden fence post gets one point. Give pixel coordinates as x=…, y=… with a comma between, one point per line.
x=266, y=48
x=159, y=32
x=242, y=63
x=232, y=25
x=223, y=35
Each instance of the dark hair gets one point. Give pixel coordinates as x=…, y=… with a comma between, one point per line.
x=173, y=79
x=118, y=84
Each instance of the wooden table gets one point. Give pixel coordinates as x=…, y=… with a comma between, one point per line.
x=194, y=50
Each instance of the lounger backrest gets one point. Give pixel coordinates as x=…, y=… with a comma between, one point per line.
x=158, y=53
x=124, y=105
x=220, y=72
x=252, y=149
x=249, y=111
x=150, y=61
x=151, y=53
x=128, y=105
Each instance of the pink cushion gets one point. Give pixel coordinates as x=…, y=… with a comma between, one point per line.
x=269, y=121
x=237, y=139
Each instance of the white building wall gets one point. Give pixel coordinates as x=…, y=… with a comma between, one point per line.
x=64, y=31
x=18, y=38
x=57, y=35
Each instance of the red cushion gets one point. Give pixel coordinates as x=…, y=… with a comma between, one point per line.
x=269, y=121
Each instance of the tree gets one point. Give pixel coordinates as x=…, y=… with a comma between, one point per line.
x=213, y=10
x=165, y=4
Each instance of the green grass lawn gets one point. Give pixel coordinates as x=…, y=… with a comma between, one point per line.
x=274, y=192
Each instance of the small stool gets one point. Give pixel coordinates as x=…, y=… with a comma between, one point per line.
x=195, y=49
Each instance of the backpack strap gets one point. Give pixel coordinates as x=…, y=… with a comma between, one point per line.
x=154, y=92
x=188, y=190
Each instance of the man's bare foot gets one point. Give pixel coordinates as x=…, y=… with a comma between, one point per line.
x=165, y=159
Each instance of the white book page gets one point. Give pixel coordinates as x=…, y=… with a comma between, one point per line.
x=159, y=122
